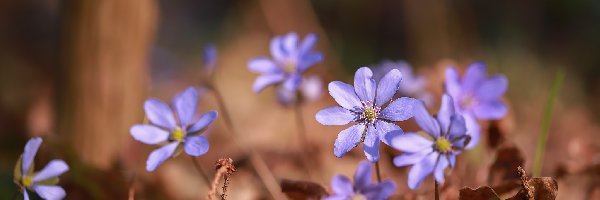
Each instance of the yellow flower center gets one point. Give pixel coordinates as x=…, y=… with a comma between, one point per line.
x=443, y=145
x=370, y=114
x=177, y=134
x=27, y=181
x=289, y=66
x=358, y=197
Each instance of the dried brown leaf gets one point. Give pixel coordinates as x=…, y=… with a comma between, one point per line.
x=507, y=160
x=481, y=193
x=300, y=190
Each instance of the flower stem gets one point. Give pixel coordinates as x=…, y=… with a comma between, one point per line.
x=200, y=171
x=547, y=119
x=258, y=163
x=437, y=190
x=303, y=139
x=377, y=171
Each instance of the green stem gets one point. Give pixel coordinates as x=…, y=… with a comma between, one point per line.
x=546, y=121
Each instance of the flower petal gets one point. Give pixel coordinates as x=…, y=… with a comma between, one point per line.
x=348, y=139
x=457, y=127
x=472, y=130
x=50, y=192
x=492, y=88
x=341, y=185
x=312, y=88
x=362, y=177
x=490, y=110
x=474, y=76
x=400, y=109
x=380, y=191
x=290, y=44
x=387, y=131
x=265, y=80
x=286, y=97
x=158, y=156
x=411, y=142
x=412, y=158
x=446, y=111
x=185, y=104
x=308, y=43
x=276, y=48
x=335, y=116
x=292, y=82
x=148, y=134
x=371, y=144
x=452, y=83
x=344, y=95
x=308, y=60
x=160, y=113
x=25, y=194
x=263, y=65
x=420, y=170
x=206, y=119
x=53, y=169
x=387, y=87
x=29, y=152
x=337, y=197
x=196, y=145
x=438, y=173
x=425, y=121
x=364, y=84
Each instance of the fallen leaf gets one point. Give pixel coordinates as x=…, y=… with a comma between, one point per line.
x=300, y=190
x=508, y=159
x=481, y=193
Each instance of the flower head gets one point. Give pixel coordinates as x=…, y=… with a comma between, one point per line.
x=447, y=138
x=476, y=96
x=291, y=58
x=42, y=182
x=412, y=85
x=173, y=128
x=369, y=107
x=363, y=187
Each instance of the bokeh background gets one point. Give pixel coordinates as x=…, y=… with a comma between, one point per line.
x=77, y=73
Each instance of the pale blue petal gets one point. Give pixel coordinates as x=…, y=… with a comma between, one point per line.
x=362, y=177
x=371, y=144
x=364, y=84
x=263, y=65
x=492, y=88
x=387, y=131
x=25, y=194
x=160, y=113
x=411, y=142
x=196, y=145
x=286, y=96
x=158, y=156
x=439, y=169
x=290, y=44
x=420, y=170
x=206, y=119
x=186, y=103
x=474, y=76
x=380, y=191
x=265, y=80
x=473, y=130
x=50, y=192
x=425, y=121
x=292, y=82
x=148, y=134
x=452, y=83
x=411, y=158
x=490, y=110
x=53, y=169
x=341, y=185
x=348, y=139
x=308, y=43
x=335, y=116
x=387, y=87
x=277, y=48
x=400, y=109
x=446, y=111
x=337, y=197
x=344, y=95
x=29, y=152
x=308, y=60
x=457, y=128
x=452, y=159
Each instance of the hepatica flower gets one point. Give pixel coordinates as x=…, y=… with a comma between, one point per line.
x=412, y=85
x=291, y=58
x=363, y=188
x=446, y=137
x=42, y=182
x=173, y=125
x=476, y=96
x=369, y=108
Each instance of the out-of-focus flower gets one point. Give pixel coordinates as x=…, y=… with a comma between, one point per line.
x=427, y=155
x=363, y=187
x=412, y=85
x=42, y=182
x=210, y=59
x=291, y=58
x=476, y=96
x=369, y=106
x=175, y=128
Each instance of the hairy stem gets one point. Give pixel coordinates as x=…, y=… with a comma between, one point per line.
x=377, y=171
x=437, y=190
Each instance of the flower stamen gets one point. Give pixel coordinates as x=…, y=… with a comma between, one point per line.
x=370, y=112
x=177, y=134
x=27, y=181
x=442, y=145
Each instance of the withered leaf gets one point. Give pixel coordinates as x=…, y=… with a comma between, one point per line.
x=481, y=193
x=300, y=190
x=507, y=160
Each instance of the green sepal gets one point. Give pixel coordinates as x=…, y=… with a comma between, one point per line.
x=50, y=181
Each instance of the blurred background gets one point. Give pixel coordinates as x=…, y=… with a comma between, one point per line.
x=77, y=74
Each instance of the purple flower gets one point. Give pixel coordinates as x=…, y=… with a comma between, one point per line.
x=175, y=128
x=42, y=182
x=291, y=58
x=433, y=154
x=363, y=187
x=412, y=85
x=210, y=58
x=476, y=96
x=370, y=108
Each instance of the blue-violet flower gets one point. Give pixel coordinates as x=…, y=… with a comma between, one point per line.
x=363, y=187
x=413, y=85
